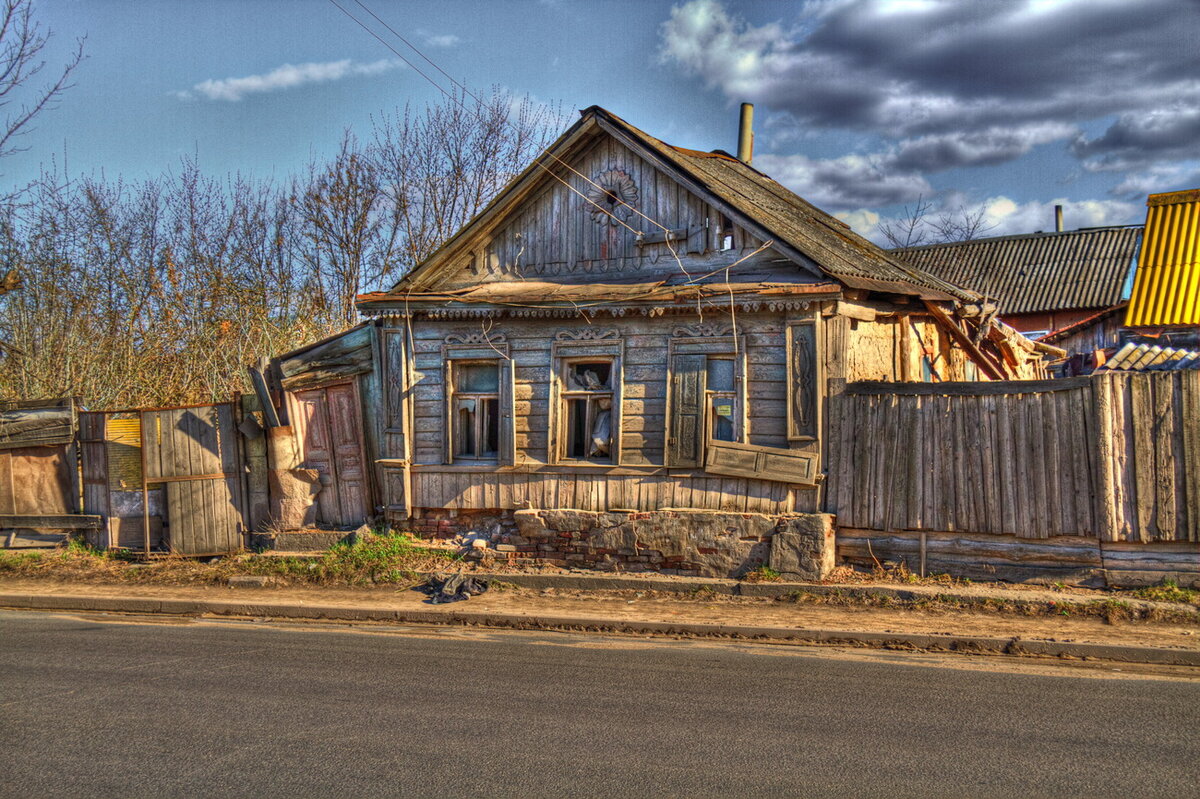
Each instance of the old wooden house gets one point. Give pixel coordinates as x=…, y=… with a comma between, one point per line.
x=628, y=326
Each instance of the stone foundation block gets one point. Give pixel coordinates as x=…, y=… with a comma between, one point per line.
x=803, y=546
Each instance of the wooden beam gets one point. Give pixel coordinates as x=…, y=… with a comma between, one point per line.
x=679, y=234
x=968, y=388
x=989, y=368
x=51, y=521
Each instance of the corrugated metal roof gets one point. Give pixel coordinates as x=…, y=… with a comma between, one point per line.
x=1166, y=288
x=1040, y=271
x=1151, y=358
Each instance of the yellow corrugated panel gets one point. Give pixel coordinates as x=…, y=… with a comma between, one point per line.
x=124, y=453
x=1166, y=288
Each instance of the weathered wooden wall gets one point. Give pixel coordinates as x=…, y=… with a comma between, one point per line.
x=555, y=233
x=644, y=379
x=1115, y=457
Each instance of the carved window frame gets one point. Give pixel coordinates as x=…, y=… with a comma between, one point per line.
x=480, y=348
x=571, y=346
x=709, y=340
x=805, y=372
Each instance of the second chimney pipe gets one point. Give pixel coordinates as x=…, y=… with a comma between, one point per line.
x=746, y=134
x=1058, y=226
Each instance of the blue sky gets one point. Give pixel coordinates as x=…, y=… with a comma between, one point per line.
x=862, y=106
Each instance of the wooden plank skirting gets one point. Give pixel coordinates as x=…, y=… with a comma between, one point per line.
x=983, y=556
x=611, y=489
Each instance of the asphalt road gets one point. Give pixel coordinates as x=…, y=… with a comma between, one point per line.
x=106, y=707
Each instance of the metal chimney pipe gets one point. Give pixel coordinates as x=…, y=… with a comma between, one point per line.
x=1058, y=225
x=745, y=151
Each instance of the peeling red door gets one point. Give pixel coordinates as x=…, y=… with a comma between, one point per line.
x=333, y=446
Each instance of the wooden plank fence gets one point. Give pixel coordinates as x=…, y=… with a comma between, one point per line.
x=1114, y=457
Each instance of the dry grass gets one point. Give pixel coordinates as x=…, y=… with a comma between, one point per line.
x=386, y=559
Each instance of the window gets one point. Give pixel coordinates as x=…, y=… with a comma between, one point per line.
x=476, y=404
x=587, y=405
x=705, y=403
x=725, y=234
x=721, y=399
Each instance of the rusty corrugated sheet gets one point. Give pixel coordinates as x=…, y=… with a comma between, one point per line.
x=1166, y=289
x=1040, y=271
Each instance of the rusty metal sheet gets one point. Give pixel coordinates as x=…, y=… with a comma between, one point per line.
x=38, y=480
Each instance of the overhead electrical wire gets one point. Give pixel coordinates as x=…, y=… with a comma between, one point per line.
x=603, y=192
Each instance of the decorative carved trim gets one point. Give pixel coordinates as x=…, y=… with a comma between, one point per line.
x=703, y=330
x=475, y=338
x=586, y=334
x=611, y=195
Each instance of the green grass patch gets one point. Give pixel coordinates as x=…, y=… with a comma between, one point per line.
x=763, y=574
x=1168, y=591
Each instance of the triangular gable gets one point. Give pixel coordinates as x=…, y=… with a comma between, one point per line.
x=680, y=194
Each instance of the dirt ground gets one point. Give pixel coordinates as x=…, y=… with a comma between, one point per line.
x=654, y=606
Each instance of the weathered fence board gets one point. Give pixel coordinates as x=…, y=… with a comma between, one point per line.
x=194, y=452
x=1114, y=456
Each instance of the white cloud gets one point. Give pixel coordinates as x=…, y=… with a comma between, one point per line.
x=438, y=39
x=1159, y=178
x=286, y=76
x=1003, y=216
x=864, y=221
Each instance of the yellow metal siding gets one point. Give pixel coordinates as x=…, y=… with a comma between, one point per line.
x=1166, y=288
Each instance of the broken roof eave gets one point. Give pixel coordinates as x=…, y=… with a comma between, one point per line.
x=648, y=296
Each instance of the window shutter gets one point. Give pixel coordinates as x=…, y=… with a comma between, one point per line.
x=508, y=433
x=685, y=443
x=448, y=396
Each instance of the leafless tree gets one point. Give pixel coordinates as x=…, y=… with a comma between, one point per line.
x=159, y=291
x=440, y=165
x=21, y=45
x=910, y=228
x=920, y=225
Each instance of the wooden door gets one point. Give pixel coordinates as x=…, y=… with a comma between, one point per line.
x=332, y=433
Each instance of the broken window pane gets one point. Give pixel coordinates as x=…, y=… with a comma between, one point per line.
x=588, y=411
x=590, y=376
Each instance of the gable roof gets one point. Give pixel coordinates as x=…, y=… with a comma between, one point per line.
x=1040, y=271
x=812, y=238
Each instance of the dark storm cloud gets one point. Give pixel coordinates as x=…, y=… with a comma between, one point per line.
x=929, y=68
x=1135, y=140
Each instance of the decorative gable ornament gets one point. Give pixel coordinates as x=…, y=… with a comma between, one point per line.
x=610, y=197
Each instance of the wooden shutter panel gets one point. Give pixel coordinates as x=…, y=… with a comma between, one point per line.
x=508, y=433
x=731, y=459
x=685, y=443
x=448, y=400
